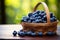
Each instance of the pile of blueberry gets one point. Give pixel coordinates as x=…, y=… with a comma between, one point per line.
x=31, y=33
x=38, y=17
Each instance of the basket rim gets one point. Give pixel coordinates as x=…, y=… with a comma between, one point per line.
x=38, y=24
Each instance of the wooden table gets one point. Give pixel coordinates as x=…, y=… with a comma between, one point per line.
x=6, y=33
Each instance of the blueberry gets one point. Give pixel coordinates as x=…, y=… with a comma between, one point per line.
x=38, y=17
x=14, y=33
x=40, y=34
x=55, y=19
x=42, y=14
x=30, y=14
x=39, y=14
x=50, y=33
x=33, y=34
x=21, y=33
x=24, y=19
x=27, y=18
x=32, y=19
x=37, y=11
x=33, y=16
x=51, y=19
x=44, y=18
x=34, y=13
x=29, y=21
x=51, y=14
x=43, y=21
x=40, y=20
x=37, y=20
x=29, y=33
x=42, y=11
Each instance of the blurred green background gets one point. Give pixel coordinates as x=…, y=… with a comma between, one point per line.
x=16, y=9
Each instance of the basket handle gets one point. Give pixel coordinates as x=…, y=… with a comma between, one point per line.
x=46, y=10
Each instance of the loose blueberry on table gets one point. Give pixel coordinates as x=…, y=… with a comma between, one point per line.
x=28, y=33
x=33, y=34
x=21, y=33
x=40, y=34
x=14, y=33
x=50, y=33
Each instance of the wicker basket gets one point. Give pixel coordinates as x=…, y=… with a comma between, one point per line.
x=41, y=27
